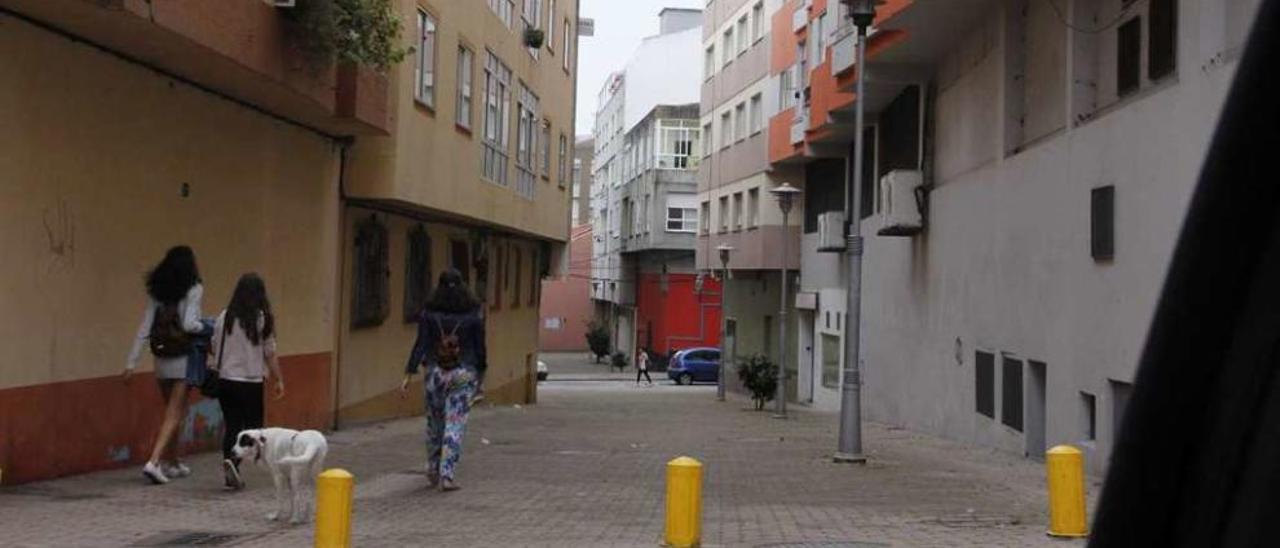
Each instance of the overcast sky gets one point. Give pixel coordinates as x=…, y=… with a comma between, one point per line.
x=620, y=24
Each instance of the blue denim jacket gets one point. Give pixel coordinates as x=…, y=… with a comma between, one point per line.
x=197, y=368
x=470, y=331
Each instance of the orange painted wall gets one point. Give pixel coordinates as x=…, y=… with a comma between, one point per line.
x=58, y=429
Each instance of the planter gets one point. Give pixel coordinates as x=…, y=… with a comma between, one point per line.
x=534, y=38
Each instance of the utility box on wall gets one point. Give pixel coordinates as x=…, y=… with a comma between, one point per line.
x=902, y=199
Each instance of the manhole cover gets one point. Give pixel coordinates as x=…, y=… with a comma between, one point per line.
x=826, y=544
x=191, y=538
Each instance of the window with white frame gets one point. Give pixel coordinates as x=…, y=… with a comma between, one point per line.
x=727, y=48
x=704, y=218
x=682, y=213
x=706, y=134
x=740, y=122
x=709, y=62
x=726, y=129
x=551, y=25
x=568, y=45
x=425, y=72
x=462, y=112
x=679, y=144
x=545, y=143
x=526, y=141
x=644, y=214
x=497, y=98
x=505, y=10
x=757, y=21
x=737, y=211
x=744, y=38
x=787, y=89
x=753, y=208
x=563, y=165
x=757, y=113
x=531, y=15
x=724, y=214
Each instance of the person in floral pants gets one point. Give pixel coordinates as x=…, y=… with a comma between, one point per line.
x=451, y=344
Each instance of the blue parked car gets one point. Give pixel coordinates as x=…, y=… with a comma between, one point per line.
x=695, y=365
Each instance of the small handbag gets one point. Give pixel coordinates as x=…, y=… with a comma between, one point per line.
x=213, y=377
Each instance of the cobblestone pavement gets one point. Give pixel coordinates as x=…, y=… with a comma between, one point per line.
x=584, y=467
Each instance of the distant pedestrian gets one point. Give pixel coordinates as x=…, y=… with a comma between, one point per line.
x=451, y=344
x=244, y=353
x=171, y=324
x=642, y=366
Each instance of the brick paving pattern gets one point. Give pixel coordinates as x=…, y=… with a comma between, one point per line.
x=585, y=468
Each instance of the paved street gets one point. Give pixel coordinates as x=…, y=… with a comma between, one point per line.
x=585, y=468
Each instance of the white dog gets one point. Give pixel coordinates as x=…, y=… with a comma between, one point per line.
x=294, y=459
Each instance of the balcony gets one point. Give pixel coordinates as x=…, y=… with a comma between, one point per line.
x=238, y=48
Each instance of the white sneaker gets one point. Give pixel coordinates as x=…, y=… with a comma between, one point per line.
x=153, y=472
x=177, y=470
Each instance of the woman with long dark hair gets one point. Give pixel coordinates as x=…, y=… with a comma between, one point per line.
x=244, y=353
x=171, y=319
x=451, y=345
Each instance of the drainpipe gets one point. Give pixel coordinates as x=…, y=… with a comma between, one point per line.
x=344, y=145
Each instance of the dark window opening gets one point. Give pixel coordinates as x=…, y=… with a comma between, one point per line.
x=1162, y=43
x=1102, y=223
x=900, y=133
x=1089, y=411
x=824, y=190
x=1120, y=392
x=984, y=383
x=869, y=180
x=417, y=273
x=1128, y=57
x=1011, y=401
x=371, y=294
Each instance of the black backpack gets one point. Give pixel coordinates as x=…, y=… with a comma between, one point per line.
x=168, y=339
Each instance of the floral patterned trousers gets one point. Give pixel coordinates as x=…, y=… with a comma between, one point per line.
x=449, y=393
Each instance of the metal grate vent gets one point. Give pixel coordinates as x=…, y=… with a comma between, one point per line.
x=192, y=538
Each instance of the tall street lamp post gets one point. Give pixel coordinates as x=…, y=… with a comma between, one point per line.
x=786, y=194
x=863, y=13
x=724, y=250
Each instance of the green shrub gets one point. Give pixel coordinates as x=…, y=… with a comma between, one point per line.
x=364, y=32
x=760, y=377
x=618, y=360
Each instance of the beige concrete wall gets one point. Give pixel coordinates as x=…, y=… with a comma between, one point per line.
x=373, y=358
x=94, y=154
x=430, y=163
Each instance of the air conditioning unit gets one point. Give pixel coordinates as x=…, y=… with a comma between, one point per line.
x=902, y=202
x=281, y=3
x=831, y=232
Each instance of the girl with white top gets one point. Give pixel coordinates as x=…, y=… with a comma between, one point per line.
x=174, y=283
x=244, y=353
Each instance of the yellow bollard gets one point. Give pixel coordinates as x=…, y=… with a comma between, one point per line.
x=1064, y=465
x=684, y=503
x=333, y=508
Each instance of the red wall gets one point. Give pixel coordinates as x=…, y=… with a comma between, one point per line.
x=680, y=317
x=569, y=299
x=64, y=428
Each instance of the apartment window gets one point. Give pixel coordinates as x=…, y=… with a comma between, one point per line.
x=425, y=73
x=744, y=39
x=1011, y=394
x=985, y=383
x=545, y=143
x=563, y=166
x=463, y=110
x=568, y=45
x=724, y=214
x=1102, y=223
x=704, y=219
x=737, y=211
x=1162, y=38
x=417, y=272
x=679, y=144
x=551, y=25
x=787, y=89
x=497, y=97
x=757, y=22
x=531, y=16
x=1089, y=416
x=757, y=114
x=753, y=208
x=706, y=134
x=819, y=40
x=682, y=219
x=1128, y=55
x=802, y=61
x=709, y=62
x=371, y=294
x=740, y=122
x=830, y=360
x=726, y=129
x=526, y=141
x=644, y=214
x=727, y=48
x=504, y=9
